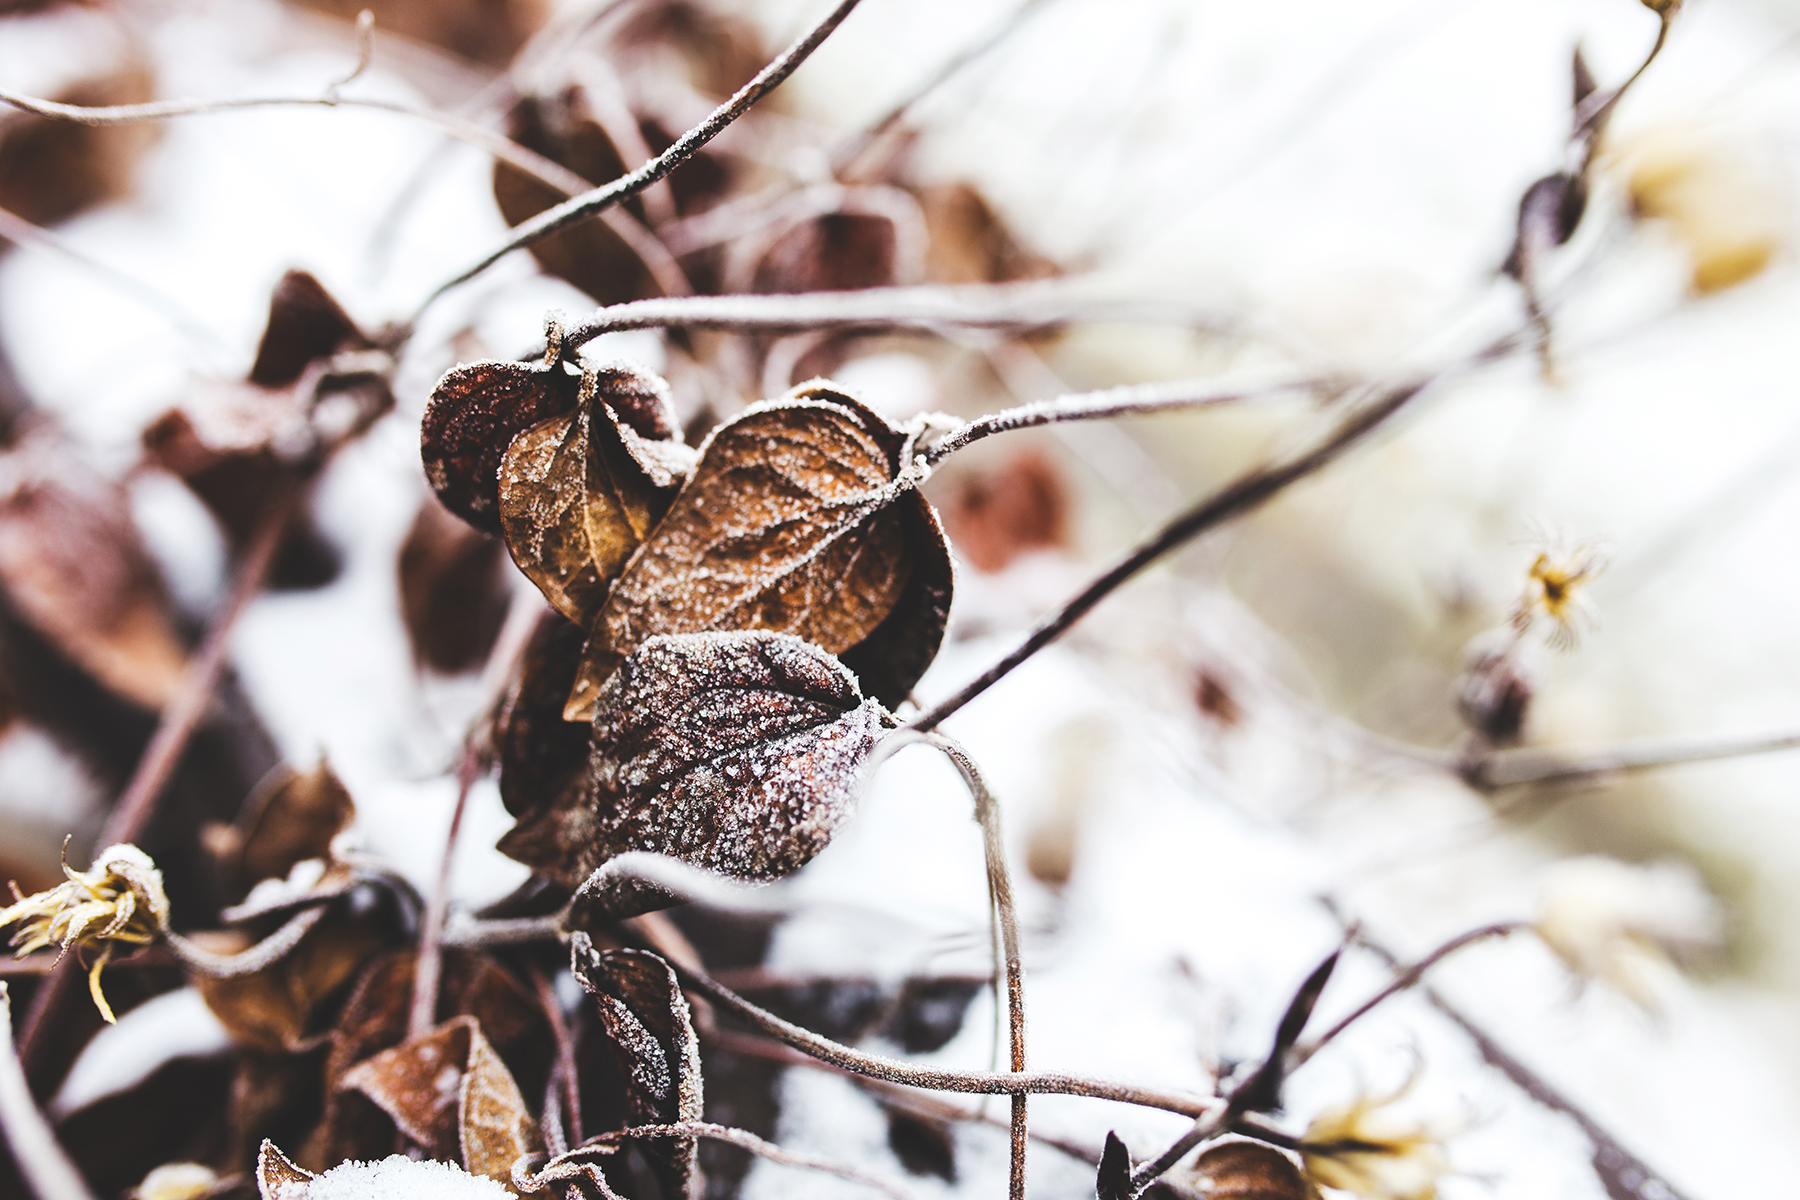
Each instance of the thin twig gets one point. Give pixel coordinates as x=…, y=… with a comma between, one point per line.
x=1018, y=307
x=247, y=962
x=597, y=199
x=431, y=928
x=936, y=1078
x=565, y=1049
x=18, y=230
x=1247, y=492
x=1133, y=399
x=180, y=718
x=853, y=147
x=40, y=1158
x=756, y=1145
x=1401, y=982
x=1499, y=769
x=1000, y=890
x=1622, y=1173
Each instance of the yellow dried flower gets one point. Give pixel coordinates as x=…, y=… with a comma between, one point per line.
x=1365, y=1150
x=1622, y=923
x=1556, y=588
x=117, y=901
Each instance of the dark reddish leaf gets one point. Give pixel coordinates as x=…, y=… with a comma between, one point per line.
x=1262, y=1091
x=923, y=1146
x=996, y=516
x=539, y=752
x=1113, y=1180
x=475, y=412
x=453, y=593
x=74, y=568
x=1250, y=1171
x=646, y=1016
x=737, y=752
x=305, y=323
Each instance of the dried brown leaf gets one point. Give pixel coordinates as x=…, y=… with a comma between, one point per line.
x=737, y=752
x=274, y=1009
x=450, y=1092
x=539, y=752
x=305, y=323
x=969, y=243
x=74, y=567
x=453, y=593
x=791, y=523
x=483, y=31
x=475, y=412
x=1251, y=1171
x=579, y=492
x=652, y=1033
x=292, y=817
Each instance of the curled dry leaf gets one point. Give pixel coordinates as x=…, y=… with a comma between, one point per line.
x=453, y=593
x=74, y=567
x=292, y=816
x=652, y=1033
x=274, y=1008
x=793, y=521
x=1113, y=1180
x=449, y=1091
x=834, y=239
x=276, y=1177
x=579, y=491
x=1000, y=515
x=970, y=243
x=1250, y=1171
x=475, y=412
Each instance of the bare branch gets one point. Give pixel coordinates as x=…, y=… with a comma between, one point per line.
x=1499, y=769
x=41, y=1159
x=591, y=202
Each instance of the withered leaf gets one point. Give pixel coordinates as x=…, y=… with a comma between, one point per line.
x=1250, y=1171
x=449, y=1091
x=647, y=1018
x=539, y=751
x=923, y=1146
x=273, y=1009
x=1113, y=1180
x=790, y=523
x=1262, y=1091
x=74, y=567
x=453, y=593
x=482, y=31
x=968, y=241
x=999, y=515
x=293, y=816
x=276, y=1177
x=737, y=752
x=579, y=491
x=475, y=412
x=305, y=323
x=835, y=251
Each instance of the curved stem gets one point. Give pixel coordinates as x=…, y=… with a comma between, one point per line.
x=935, y=1078
x=1496, y=770
x=595, y=200
x=246, y=962
x=40, y=1158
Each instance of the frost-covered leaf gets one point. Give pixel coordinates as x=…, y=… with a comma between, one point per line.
x=579, y=491
x=646, y=1016
x=74, y=567
x=1250, y=1171
x=475, y=412
x=449, y=1091
x=737, y=752
x=277, y=1178
x=790, y=523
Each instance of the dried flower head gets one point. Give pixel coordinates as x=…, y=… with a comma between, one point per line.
x=178, y=1181
x=1556, y=589
x=1364, y=1148
x=119, y=900
x=1621, y=923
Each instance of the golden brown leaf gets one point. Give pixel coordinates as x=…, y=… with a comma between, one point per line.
x=276, y=1177
x=475, y=412
x=1251, y=1171
x=273, y=1009
x=291, y=818
x=449, y=1091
